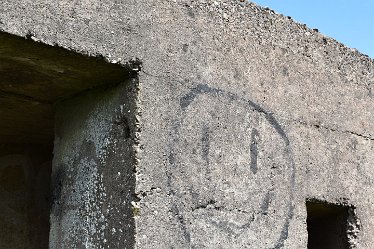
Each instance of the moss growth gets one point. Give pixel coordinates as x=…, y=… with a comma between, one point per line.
x=135, y=211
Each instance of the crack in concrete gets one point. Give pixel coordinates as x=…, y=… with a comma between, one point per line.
x=206, y=205
x=271, y=114
x=319, y=126
x=211, y=204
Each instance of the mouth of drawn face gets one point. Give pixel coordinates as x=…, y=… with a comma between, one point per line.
x=232, y=172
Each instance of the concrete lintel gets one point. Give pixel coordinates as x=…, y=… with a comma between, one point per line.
x=34, y=76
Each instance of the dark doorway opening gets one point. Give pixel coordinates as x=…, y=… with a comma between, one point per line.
x=34, y=78
x=25, y=171
x=328, y=225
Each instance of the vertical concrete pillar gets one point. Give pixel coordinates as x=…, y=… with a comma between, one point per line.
x=92, y=175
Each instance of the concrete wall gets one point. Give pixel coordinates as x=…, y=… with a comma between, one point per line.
x=93, y=176
x=243, y=115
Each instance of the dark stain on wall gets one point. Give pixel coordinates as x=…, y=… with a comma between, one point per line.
x=254, y=151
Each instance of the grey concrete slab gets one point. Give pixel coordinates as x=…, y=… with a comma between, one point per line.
x=243, y=115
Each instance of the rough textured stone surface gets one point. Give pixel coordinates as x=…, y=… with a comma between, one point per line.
x=243, y=115
x=93, y=178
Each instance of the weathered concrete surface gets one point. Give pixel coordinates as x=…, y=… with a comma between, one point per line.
x=93, y=178
x=244, y=115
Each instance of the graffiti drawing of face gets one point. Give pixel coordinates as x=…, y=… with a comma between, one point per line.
x=231, y=171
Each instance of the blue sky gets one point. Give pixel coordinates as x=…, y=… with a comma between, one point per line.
x=350, y=22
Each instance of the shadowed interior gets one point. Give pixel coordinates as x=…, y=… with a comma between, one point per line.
x=34, y=77
x=327, y=225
